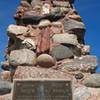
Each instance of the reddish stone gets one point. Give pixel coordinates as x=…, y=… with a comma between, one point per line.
x=43, y=40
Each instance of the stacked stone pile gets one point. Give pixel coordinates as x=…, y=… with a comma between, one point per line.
x=48, y=42
x=47, y=27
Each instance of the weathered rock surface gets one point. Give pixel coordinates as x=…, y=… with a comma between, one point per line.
x=39, y=72
x=61, y=52
x=85, y=93
x=14, y=30
x=73, y=25
x=93, y=80
x=5, y=87
x=65, y=38
x=85, y=64
x=22, y=57
x=75, y=49
x=45, y=60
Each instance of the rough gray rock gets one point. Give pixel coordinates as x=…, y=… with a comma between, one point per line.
x=73, y=25
x=65, y=38
x=76, y=50
x=45, y=60
x=5, y=87
x=31, y=19
x=14, y=30
x=22, y=57
x=93, y=80
x=81, y=93
x=61, y=52
x=84, y=63
x=86, y=93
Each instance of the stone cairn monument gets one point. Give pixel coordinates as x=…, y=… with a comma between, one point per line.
x=47, y=41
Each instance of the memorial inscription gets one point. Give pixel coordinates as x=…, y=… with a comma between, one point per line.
x=42, y=90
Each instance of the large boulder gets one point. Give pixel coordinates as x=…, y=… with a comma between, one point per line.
x=22, y=57
x=31, y=18
x=65, y=38
x=93, y=80
x=14, y=30
x=61, y=52
x=85, y=64
x=45, y=60
x=71, y=24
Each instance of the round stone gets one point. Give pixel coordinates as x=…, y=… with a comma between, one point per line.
x=45, y=60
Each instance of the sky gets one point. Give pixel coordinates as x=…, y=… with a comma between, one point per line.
x=89, y=10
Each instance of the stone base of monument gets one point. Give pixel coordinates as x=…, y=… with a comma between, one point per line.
x=82, y=85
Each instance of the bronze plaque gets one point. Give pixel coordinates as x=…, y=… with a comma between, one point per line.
x=42, y=90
